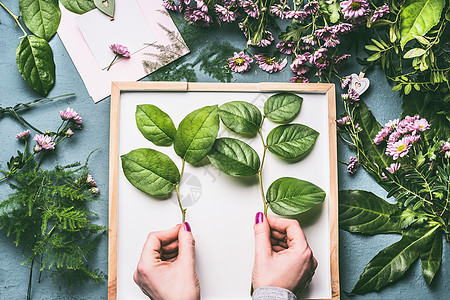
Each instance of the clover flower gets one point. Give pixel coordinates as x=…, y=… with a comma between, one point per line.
x=240, y=62
x=353, y=165
x=286, y=47
x=269, y=64
x=394, y=167
x=119, y=51
x=299, y=79
x=23, y=135
x=170, y=5
x=353, y=9
x=45, y=142
x=225, y=14
x=399, y=148
x=379, y=13
x=251, y=9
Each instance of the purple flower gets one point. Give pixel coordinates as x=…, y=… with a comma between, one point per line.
x=286, y=47
x=250, y=8
x=353, y=165
x=299, y=79
x=265, y=41
x=344, y=121
x=384, y=132
x=37, y=148
x=326, y=33
x=353, y=9
x=298, y=65
x=296, y=14
x=170, y=5
x=343, y=28
x=394, y=137
x=309, y=39
x=319, y=53
x=90, y=180
x=279, y=10
x=225, y=14
x=353, y=95
x=44, y=141
x=312, y=7
x=240, y=62
x=398, y=149
x=379, y=13
x=393, y=167
x=120, y=50
x=23, y=135
x=269, y=64
x=68, y=114
x=421, y=124
x=198, y=16
x=331, y=43
x=445, y=148
x=345, y=81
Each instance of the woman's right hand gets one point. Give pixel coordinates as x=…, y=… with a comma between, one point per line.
x=282, y=255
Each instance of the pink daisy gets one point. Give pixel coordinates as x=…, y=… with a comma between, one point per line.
x=170, y=5
x=393, y=167
x=91, y=180
x=384, y=132
x=269, y=64
x=240, y=62
x=299, y=79
x=279, y=10
x=265, y=41
x=224, y=14
x=353, y=9
x=379, y=13
x=286, y=47
x=343, y=121
x=398, y=149
x=296, y=14
x=45, y=141
x=23, y=135
x=250, y=8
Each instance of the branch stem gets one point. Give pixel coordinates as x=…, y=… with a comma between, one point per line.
x=16, y=18
x=261, y=168
x=177, y=188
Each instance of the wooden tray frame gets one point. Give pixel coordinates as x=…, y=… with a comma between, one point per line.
x=118, y=87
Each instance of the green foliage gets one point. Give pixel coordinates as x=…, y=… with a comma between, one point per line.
x=34, y=59
x=240, y=116
x=291, y=196
x=291, y=141
x=196, y=134
x=331, y=9
x=48, y=217
x=234, y=157
x=41, y=17
x=282, y=107
x=78, y=6
x=155, y=125
x=150, y=171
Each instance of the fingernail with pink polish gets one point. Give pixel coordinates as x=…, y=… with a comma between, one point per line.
x=187, y=227
x=259, y=217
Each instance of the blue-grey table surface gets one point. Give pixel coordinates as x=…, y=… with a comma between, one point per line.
x=355, y=251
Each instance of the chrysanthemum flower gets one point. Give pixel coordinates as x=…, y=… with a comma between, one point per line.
x=343, y=28
x=170, y=5
x=240, y=62
x=250, y=8
x=68, y=114
x=225, y=14
x=353, y=165
x=394, y=167
x=119, y=51
x=269, y=64
x=90, y=180
x=421, y=124
x=309, y=39
x=299, y=79
x=266, y=40
x=326, y=33
x=45, y=141
x=298, y=15
x=343, y=121
x=398, y=149
x=394, y=137
x=345, y=81
x=353, y=9
x=379, y=13
x=286, y=47
x=279, y=10
x=353, y=95
x=69, y=133
x=298, y=66
x=312, y=7
x=23, y=135
x=197, y=16
x=331, y=43
x=384, y=132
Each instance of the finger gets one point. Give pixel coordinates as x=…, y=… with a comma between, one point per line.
x=186, y=244
x=152, y=247
x=278, y=243
x=278, y=248
x=168, y=256
x=278, y=235
x=170, y=247
x=295, y=235
x=261, y=228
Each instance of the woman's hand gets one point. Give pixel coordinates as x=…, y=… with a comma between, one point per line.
x=166, y=269
x=282, y=255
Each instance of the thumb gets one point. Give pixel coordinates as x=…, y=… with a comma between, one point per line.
x=186, y=243
x=262, y=236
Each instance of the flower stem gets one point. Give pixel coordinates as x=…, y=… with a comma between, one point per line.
x=30, y=279
x=115, y=57
x=16, y=18
x=177, y=187
x=261, y=168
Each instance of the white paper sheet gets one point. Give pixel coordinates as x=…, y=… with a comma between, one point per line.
x=222, y=208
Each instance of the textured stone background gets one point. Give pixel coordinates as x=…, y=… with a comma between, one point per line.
x=355, y=250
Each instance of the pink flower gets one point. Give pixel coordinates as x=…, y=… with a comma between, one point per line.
x=353, y=165
x=286, y=47
x=394, y=137
x=240, y=62
x=353, y=9
x=380, y=13
x=69, y=132
x=384, y=132
x=331, y=43
x=94, y=190
x=68, y=114
x=398, y=149
x=37, y=148
x=91, y=180
x=345, y=81
x=45, y=141
x=309, y=39
x=299, y=79
x=250, y=8
x=312, y=7
x=326, y=33
x=225, y=14
x=344, y=121
x=445, y=148
x=353, y=95
x=23, y=135
x=279, y=10
x=197, y=17
x=265, y=41
x=392, y=123
x=120, y=50
x=343, y=28
x=269, y=64
x=170, y=5
x=393, y=167
x=421, y=124
x=298, y=66
x=296, y=14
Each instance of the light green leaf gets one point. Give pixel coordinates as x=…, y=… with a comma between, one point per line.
x=432, y=258
x=415, y=52
x=374, y=57
x=447, y=14
x=372, y=48
x=292, y=141
x=150, y=171
x=330, y=9
x=42, y=17
x=408, y=88
x=282, y=107
x=234, y=157
x=289, y=196
x=240, y=116
x=392, y=262
x=363, y=212
x=196, y=134
x=34, y=59
x=397, y=88
x=155, y=125
x=78, y=6
x=417, y=17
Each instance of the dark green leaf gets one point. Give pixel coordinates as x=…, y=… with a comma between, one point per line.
x=417, y=17
x=282, y=107
x=292, y=141
x=240, y=116
x=150, y=171
x=363, y=212
x=234, y=157
x=415, y=52
x=290, y=196
x=331, y=9
x=42, y=17
x=196, y=134
x=155, y=125
x=392, y=262
x=78, y=6
x=432, y=258
x=34, y=59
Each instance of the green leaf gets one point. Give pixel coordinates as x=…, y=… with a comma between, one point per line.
x=196, y=134
x=392, y=262
x=34, y=59
x=408, y=88
x=282, y=107
x=397, y=88
x=240, y=116
x=292, y=141
x=234, y=157
x=417, y=17
x=432, y=258
x=78, y=6
x=374, y=57
x=289, y=196
x=150, y=171
x=415, y=52
x=155, y=125
x=42, y=17
x=363, y=212
x=331, y=9
x=372, y=48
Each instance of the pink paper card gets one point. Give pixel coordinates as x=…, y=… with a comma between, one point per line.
x=142, y=62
